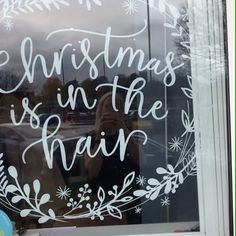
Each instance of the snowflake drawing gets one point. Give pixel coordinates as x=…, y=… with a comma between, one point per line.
x=131, y=6
x=165, y=202
x=8, y=24
x=141, y=180
x=138, y=210
x=63, y=193
x=175, y=144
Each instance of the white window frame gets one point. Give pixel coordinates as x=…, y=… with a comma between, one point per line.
x=209, y=89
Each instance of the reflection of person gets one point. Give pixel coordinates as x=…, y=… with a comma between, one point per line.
x=108, y=171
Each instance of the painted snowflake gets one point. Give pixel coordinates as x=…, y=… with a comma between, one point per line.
x=141, y=180
x=165, y=202
x=138, y=210
x=63, y=193
x=131, y=6
x=175, y=144
x=8, y=24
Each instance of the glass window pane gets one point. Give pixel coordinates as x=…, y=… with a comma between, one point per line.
x=97, y=114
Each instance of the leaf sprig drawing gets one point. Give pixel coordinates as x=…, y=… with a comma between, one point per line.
x=188, y=91
x=173, y=16
x=9, y=8
x=16, y=7
x=191, y=169
x=15, y=193
x=3, y=179
x=23, y=194
x=171, y=180
x=187, y=123
x=177, y=21
x=102, y=207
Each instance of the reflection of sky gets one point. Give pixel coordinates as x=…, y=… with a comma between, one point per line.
x=39, y=24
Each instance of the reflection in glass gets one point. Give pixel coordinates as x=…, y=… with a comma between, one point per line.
x=157, y=181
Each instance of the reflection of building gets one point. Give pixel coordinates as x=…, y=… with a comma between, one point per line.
x=6, y=100
x=90, y=85
x=8, y=80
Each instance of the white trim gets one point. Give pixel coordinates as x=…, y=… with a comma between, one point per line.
x=159, y=229
x=231, y=59
x=210, y=116
x=166, y=234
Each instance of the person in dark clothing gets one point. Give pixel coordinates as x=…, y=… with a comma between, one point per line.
x=107, y=171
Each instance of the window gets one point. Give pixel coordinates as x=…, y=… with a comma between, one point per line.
x=116, y=115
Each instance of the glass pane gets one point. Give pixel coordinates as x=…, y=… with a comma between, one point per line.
x=96, y=114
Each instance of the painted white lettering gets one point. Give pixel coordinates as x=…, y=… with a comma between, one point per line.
x=34, y=119
x=134, y=91
x=72, y=98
